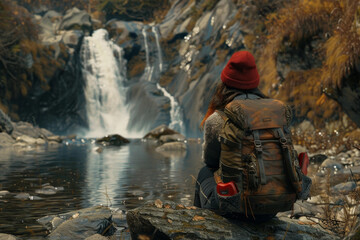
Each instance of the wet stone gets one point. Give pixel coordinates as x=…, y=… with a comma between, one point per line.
x=318, y=158
x=4, y=192
x=172, y=146
x=4, y=236
x=332, y=165
x=344, y=188
x=22, y=196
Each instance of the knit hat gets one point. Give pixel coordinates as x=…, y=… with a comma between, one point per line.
x=240, y=72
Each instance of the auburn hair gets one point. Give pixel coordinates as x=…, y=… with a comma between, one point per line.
x=223, y=95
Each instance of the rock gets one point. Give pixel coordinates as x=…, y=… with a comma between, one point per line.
x=35, y=198
x=22, y=196
x=99, y=150
x=5, y=123
x=355, y=233
x=172, y=221
x=332, y=165
x=46, y=190
x=56, y=221
x=172, y=146
x=25, y=128
x=72, y=38
x=4, y=236
x=344, y=188
x=4, y=192
x=300, y=149
x=76, y=19
x=306, y=126
x=178, y=11
x=50, y=23
x=30, y=140
x=57, y=139
x=6, y=140
x=80, y=224
x=112, y=140
x=160, y=131
x=148, y=106
x=96, y=237
x=318, y=158
x=172, y=138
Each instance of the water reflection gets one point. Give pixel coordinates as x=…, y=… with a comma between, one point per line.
x=125, y=176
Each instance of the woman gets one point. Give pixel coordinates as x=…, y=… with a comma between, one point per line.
x=239, y=79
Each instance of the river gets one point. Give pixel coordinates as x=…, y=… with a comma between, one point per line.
x=122, y=177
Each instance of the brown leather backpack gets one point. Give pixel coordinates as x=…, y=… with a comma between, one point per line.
x=258, y=155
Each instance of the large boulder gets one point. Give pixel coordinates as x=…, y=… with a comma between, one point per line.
x=158, y=220
x=76, y=19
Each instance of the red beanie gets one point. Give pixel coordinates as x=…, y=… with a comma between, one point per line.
x=240, y=72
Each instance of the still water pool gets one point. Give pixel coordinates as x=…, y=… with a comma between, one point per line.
x=123, y=177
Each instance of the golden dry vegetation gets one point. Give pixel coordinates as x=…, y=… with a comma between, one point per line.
x=333, y=23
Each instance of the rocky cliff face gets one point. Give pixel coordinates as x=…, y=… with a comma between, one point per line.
x=185, y=53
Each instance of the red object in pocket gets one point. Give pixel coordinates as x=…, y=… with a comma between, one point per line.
x=227, y=189
x=304, y=162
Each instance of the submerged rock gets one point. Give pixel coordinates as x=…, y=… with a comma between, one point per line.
x=112, y=140
x=167, y=220
x=22, y=196
x=47, y=189
x=172, y=146
x=172, y=138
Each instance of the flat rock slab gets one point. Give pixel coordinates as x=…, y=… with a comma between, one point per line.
x=80, y=224
x=167, y=220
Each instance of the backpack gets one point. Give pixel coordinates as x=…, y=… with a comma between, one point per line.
x=258, y=155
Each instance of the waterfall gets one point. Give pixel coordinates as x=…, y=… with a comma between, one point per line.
x=155, y=31
x=104, y=70
x=148, y=69
x=176, y=116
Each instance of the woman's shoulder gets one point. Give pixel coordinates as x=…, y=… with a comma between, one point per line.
x=214, y=120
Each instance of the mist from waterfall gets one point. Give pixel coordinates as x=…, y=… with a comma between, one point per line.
x=104, y=70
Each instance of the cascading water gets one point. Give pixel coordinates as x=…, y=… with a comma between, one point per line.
x=176, y=116
x=104, y=69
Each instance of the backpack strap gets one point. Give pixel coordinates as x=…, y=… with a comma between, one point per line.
x=289, y=165
x=259, y=157
x=223, y=140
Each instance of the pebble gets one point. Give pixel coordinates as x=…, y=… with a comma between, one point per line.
x=22, y=196
x=4, y=192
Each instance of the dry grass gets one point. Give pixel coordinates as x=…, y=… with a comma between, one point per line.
x=333, y=22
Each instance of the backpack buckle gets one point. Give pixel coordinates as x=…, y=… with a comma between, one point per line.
x=257, y=144
x=283, y=141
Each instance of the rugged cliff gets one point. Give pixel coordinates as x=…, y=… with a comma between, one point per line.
x=307, y=54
